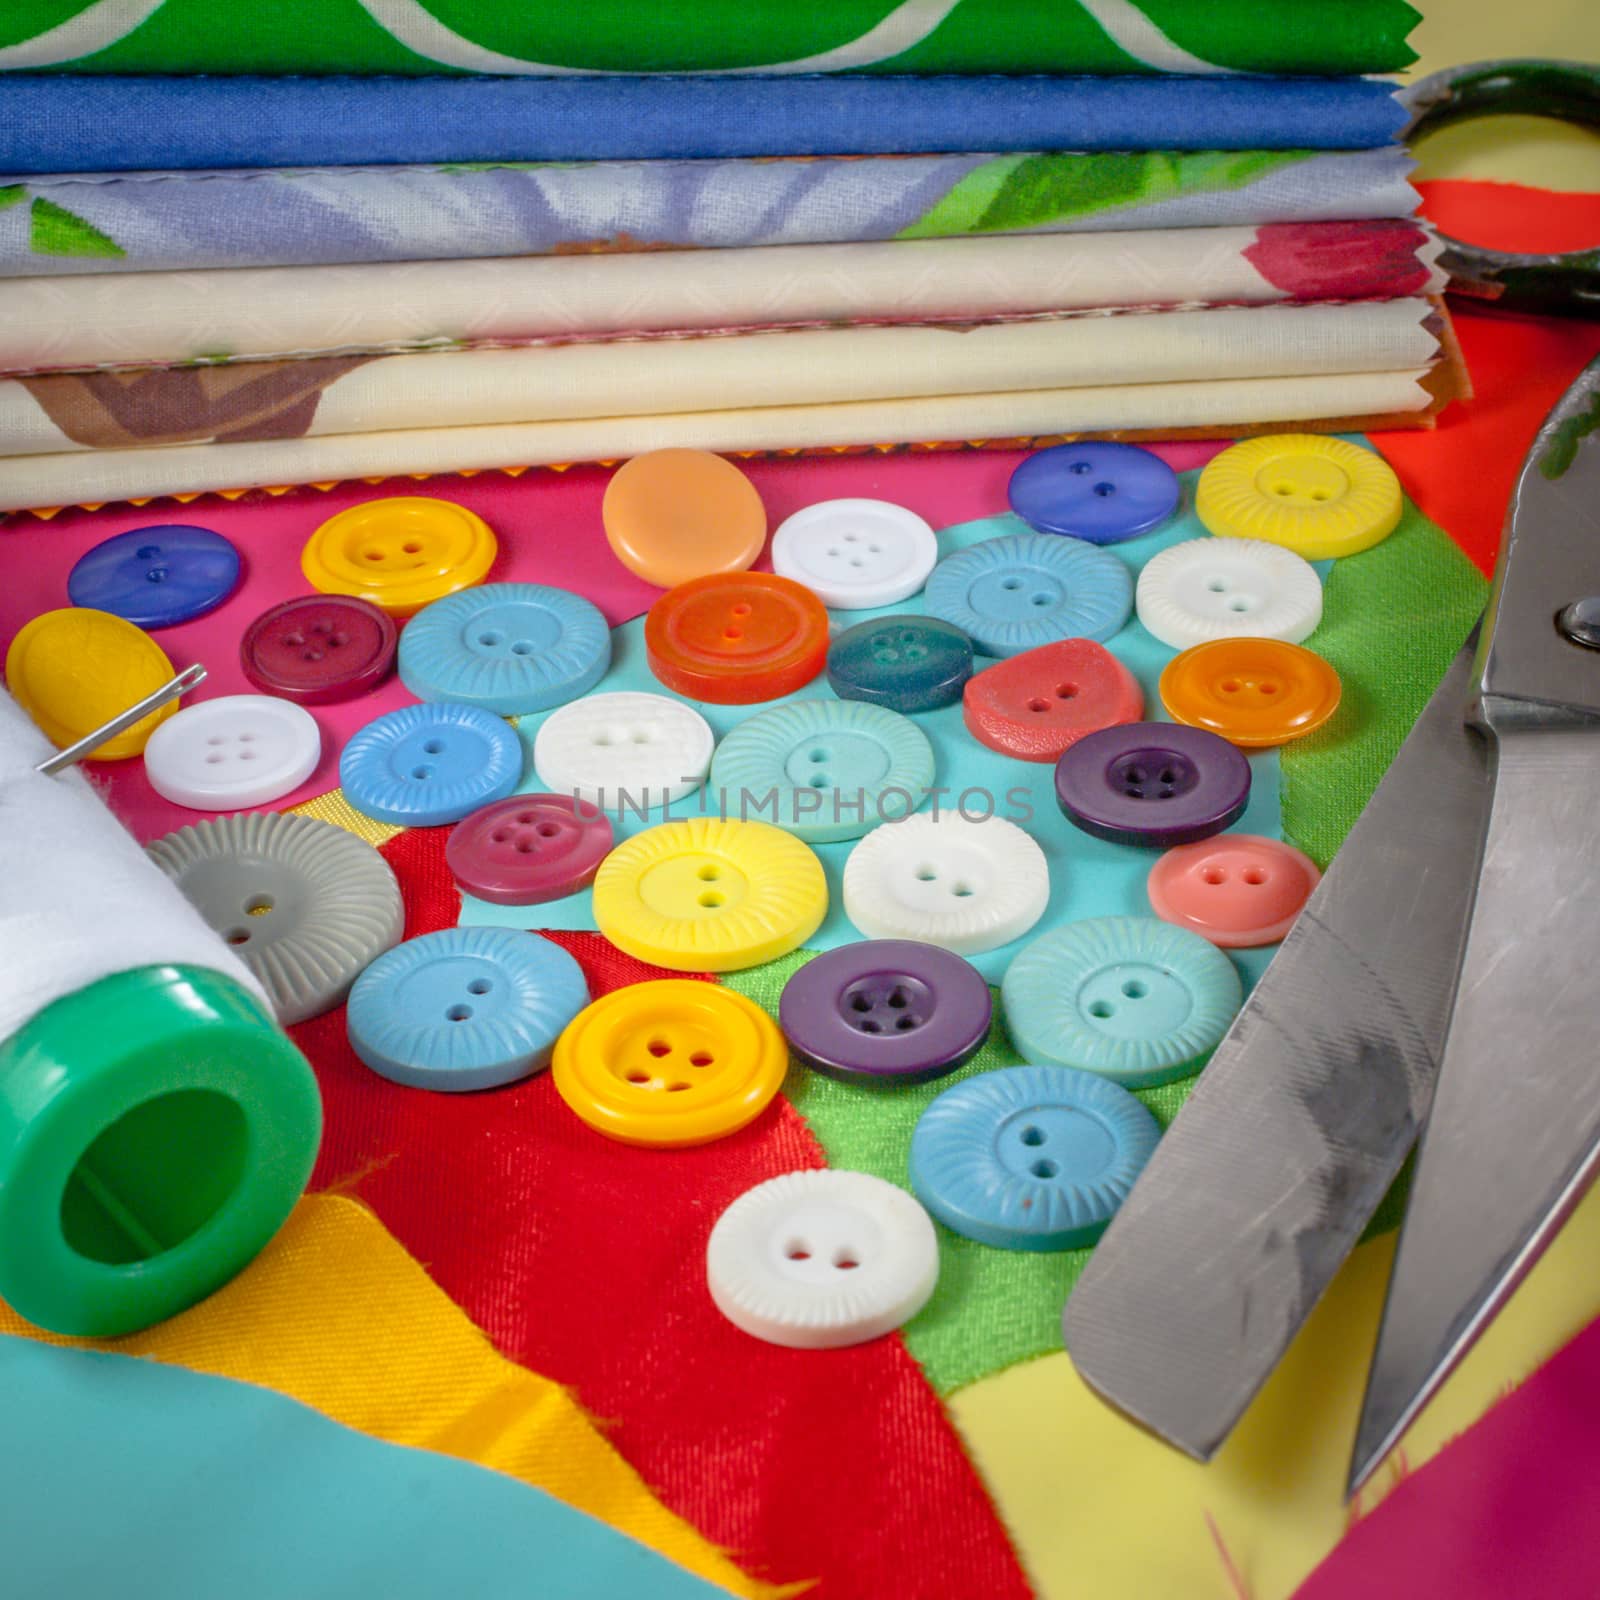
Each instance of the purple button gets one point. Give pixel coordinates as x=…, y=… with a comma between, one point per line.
x=528, y=849
x=1103, y=493
x=319, y=648
x=1154, y=783
x=888, y=1009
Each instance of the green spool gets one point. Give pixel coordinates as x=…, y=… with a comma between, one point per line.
x=156, y=1129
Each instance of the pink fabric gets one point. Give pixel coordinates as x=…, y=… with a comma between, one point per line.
x=548, y=525
x=1509, y=1511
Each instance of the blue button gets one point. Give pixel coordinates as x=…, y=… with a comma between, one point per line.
x=1021, y=590
x=511, y=648
x=425, y=765
x=903, y=664
x=468, y=1008
x=1030, y=1158
x=1133, y=999
x=823, y=770
x=156, y=577
x=1104, y=493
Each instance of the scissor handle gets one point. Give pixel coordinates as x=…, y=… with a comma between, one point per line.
x=1565, y=284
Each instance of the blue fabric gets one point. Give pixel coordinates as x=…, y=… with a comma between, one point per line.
x=68, y=124
x=148, y=1482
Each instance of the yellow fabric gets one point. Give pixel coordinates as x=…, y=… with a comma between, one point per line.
x=1097, y=1507
x=334, y=1313
x=333, y=807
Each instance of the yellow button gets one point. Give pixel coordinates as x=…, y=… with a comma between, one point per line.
x=710, y=895
x=675, y=1062
x=1320, y=497
x=401, y=553
x=73, y=669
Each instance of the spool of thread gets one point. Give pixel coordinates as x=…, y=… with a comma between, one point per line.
x=156, y=1126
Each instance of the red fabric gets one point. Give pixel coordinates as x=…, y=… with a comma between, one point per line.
x=1339, y=260
x=1510, y=1511
x=584, y=1259
x=1462, y=473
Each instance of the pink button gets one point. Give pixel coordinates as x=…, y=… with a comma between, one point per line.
x=1236, y=890
x=528, y=849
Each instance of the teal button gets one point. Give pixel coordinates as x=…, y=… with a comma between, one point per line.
x=904, y=664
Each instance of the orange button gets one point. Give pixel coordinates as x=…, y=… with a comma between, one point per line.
x=673, y=515
x=737, y=638
x=1254, y=692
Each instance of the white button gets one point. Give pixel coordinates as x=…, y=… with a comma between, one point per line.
x=1228, y=589
x=966, y=885
x=624, y=750
x=856, y=554
x=815, y=1260
x=237, y=751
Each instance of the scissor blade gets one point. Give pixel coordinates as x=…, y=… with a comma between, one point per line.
x=1514, y=1134
x=1297, y=1126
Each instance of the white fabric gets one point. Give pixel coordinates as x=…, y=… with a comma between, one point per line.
x=79, y=900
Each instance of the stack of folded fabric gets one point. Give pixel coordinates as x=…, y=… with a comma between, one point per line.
x=291, y=243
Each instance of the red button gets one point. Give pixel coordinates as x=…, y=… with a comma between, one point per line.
x=1039, y=703
x=318, y=649
x=528, y=849
x=737, y=638
x=1237, y=890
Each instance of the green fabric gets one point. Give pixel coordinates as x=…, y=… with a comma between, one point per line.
x=55, y=231
x=1033, y=191
x=330, y=36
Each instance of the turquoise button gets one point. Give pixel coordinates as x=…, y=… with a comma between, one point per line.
x=1026, y=589
x=1133, y=999
x=1030, y=1158
x=904, y=664
x=823, y=770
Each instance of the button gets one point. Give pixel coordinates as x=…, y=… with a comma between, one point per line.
x=673, y=515
x=904, y=664
x=1021, y=590
x=1321, y=497
x=822, y=1259
x=735, y=640
x=467, y=1008
x=1030, y=1158
x=527, y=849
x=710, y=894
x=1228, y=589
x=823, y=769
x=317, y=649
x=237, y=751
x=425, y=765
x=399, y=553
x=1100, y=492
x=510, y=648
x=887, y=1010
x=156, y=577
x=965, y=886
x=628, y=748
x=1254, y=692
x=74, y=669
x=1153, y=783
x=1036, y=705
x=856, y=554
x=305, y=905
x=670, y=1063
x=1131, y=998
x=1237, y=891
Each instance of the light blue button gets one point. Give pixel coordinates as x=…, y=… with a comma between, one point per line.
x=511, y=648
x=1026, y=589
x=468, y=1008
x=823, y=769
x=1030, y=1158
x=1133, y=999
x=425, y=765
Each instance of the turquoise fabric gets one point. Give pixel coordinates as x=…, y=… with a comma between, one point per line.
x=1088, y=877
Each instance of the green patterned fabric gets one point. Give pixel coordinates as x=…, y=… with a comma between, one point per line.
x=917, y=36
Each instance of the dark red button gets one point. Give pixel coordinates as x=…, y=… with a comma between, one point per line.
x=528, y=849
x=319, y=648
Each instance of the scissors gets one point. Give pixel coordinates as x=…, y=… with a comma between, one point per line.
x=1448, y=957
